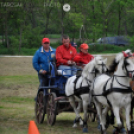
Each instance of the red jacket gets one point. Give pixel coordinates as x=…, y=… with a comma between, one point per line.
x=83, y=58
x=63, y=54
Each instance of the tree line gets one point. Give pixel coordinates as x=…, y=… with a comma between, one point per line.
x=23, y=23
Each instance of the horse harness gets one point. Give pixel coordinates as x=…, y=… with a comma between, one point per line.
x=115, y=89
x=83, y=90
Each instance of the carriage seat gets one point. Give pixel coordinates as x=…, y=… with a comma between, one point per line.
x=54, y=72
x=60, y=72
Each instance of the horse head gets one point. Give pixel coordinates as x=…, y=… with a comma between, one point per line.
x=117, y=59
x=126, y=63
x=97, y=65
x=100, y=64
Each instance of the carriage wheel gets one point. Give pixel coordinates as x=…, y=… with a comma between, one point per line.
x=92, y=114
x=51, y=109
x=40, y=107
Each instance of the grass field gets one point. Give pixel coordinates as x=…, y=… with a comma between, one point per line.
x=18, y=87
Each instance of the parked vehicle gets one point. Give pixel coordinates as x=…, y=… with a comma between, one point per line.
x=117, y=40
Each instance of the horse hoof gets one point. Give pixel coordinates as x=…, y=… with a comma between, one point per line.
x=74, y=126
x=85, y=130
x=123, y=131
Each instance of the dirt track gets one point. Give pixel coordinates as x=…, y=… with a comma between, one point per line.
x=16, y=66
x=23, y=65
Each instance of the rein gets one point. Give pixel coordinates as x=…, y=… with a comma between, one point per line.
x=114, y=89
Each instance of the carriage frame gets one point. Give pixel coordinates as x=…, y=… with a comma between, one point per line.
x=51, y=100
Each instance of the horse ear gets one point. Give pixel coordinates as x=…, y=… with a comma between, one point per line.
x=125, y=55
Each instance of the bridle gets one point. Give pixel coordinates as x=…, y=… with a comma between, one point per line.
x=95, y=71
x=129, y=73
x=127, y=89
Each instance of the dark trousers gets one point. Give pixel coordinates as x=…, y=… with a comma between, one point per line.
x=43, y=79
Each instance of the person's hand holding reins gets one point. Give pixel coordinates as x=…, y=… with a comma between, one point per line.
x=43, y=72
x=69, y=62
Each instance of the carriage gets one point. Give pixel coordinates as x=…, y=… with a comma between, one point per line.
x=51, y=99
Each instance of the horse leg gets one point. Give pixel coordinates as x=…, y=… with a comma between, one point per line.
x=85, y=126
x=79, y=110
x=72, y=103
x=131, y=113
x=104, y=115
x=127, y=108
x=99, y=113
x=117, y=116
x=132, y=106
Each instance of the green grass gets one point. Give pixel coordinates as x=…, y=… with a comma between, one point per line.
x=22, y=79
x=16, y=99
x=16, y=111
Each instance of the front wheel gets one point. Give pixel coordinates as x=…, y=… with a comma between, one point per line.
x=51, y=109
x=40, y=107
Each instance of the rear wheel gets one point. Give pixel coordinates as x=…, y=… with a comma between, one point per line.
x=40, y=107
x=51, y=109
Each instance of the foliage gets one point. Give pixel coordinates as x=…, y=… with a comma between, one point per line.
x=24, y=25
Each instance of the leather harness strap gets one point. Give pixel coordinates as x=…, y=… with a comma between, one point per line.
x=81, y=90
x=114, y=89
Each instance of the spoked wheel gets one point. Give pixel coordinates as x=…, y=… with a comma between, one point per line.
x=51, y=109
x=92, y=113
x=40, y=107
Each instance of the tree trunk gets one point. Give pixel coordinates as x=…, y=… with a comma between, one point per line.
x=93, y=8
x=62, y=17
x=125, y=23
x=102, y=11
x=119, y=25
x=20, y=39
x=6, y=32
x=106, y=26
x=47, y=20
x=48, y=13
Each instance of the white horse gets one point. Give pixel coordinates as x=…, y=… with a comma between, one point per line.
x=115, y=92
x=77, y=88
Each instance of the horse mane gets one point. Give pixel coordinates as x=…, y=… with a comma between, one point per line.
x=116, y=61
x=87, y=67
x=113, y=66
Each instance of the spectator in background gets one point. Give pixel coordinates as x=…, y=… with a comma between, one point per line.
x=74, y=44
x=41, y=60
x=83, y=57
x=64, y=56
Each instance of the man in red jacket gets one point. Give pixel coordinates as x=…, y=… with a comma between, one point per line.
x=83, y=57
x=65, y=55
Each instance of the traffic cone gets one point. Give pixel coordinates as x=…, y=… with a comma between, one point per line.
x=33, y=128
